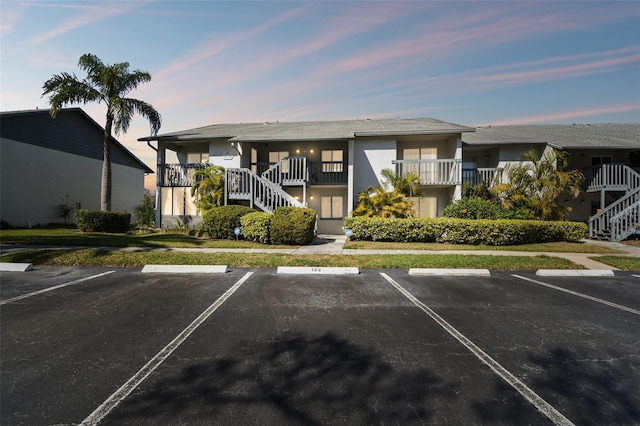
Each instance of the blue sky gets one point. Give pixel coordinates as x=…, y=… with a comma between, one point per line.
x=471, y=63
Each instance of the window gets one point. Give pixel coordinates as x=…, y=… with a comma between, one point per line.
x=426, y=171
x=332, y=161
x=331, y=208
x=275, y=156
x=197, y=157
x=420, y=153
x=254, y=160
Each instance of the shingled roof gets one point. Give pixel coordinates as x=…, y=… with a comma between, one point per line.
x=563, y=136
x=314, y=130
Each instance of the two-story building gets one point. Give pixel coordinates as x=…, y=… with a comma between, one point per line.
x=325, y=164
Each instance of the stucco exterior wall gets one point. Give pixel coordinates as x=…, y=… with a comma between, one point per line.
x=35, y=180
x=221, y=153
x=370, y=157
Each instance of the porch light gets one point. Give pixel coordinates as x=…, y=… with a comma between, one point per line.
x=297, y=151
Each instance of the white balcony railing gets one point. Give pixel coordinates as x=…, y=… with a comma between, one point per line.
x=432, y=172
x=176, y=174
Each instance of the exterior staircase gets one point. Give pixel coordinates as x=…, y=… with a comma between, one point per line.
x=621, y=218
x=266, y=191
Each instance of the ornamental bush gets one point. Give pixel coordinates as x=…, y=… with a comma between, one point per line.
x=256, y=227
x=293, y=225
x=219, y=222
x=103, y=221
x=482, y=208
x=465, y=231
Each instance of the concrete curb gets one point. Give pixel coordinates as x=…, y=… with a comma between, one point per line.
x=450, y=272
x=15, y=267
x=316, y=270
x=574, y=273
x=185, y=269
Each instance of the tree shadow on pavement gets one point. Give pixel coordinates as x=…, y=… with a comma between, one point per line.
x=587, y=387
x=297, y=379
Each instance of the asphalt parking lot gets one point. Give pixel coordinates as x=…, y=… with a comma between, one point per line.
x=116, y=346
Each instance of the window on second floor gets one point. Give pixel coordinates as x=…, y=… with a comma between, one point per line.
x=197, y=157
x=420, y=153
x=332, y=161
x=275, y=156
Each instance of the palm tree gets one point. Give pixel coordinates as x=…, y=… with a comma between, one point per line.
x=539, y=183
x=375, y=201
x=209, y=187
x=406, y=184
x=109, y=84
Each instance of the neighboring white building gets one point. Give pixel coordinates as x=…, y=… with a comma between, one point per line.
x=325, y=164
x=45, y=162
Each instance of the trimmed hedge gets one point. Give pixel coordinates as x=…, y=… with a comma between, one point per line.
x=499, y=232
x=103, y=221
x=481, y=208
x=293, y=225
x=256, y=226
x=219, y=222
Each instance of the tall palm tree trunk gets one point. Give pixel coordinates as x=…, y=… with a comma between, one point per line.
x=105, y=187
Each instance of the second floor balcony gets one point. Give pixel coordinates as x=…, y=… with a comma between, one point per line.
x=291, y=171
x=432, y=172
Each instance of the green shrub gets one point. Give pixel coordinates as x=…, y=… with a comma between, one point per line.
x=219, y=222
x=465, y=231
x=293, y=225
x=147, y=212
x=103, y=221
x=256, y=226
x=483, y=208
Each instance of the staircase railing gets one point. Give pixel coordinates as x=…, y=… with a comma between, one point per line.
x=625, y=223
x=288, y=171
x=243, y=184
x=618, y=219
x=612, y=177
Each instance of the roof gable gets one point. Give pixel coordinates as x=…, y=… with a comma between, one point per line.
x=72, y=131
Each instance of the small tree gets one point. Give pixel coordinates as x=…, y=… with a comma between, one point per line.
x=147, y=211
x=208, y=187
x=375, y=201
x=539, y=183
x=406, y=184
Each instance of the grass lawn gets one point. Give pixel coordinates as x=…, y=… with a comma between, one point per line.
x=626, y=263
x=71, y=237
x=119, y=258
x=61, y=236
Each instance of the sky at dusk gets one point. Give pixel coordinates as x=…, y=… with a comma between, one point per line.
x=470, y=63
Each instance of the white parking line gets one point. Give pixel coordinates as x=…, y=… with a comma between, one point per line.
x=543, y=406
x=55, y=287
x=584, y=296
x=118, y=396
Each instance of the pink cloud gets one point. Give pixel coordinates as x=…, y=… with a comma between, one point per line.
x=9, y=18
x=214, y=47
x=88, y=15
x=560, y=116
x=535, y=76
